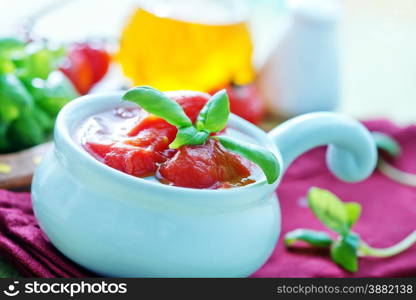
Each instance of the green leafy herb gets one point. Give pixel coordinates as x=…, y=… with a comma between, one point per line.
x=353, y=211
x=262, y=157
x=157, y=103
x=339, y=217
x=212, y=118
x=189, y=135
x=344, y=252
x=312, y=237
x=329, y=209
x=214, y=115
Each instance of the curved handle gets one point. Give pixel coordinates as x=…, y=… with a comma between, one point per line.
x=351, y=155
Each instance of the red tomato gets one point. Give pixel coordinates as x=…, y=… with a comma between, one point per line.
x=99, y=150
x=135, y=161
x=206, y=166
x=245, y=102
x=86, y=64
x=98, y=57
x=148, y=142
x=79, y=70
x=191, y=102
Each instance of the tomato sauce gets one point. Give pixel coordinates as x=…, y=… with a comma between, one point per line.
x=137, y=143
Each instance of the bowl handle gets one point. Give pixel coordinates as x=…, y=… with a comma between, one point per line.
x=351, y=155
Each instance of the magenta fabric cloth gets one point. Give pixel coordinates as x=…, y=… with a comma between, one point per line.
x=389, y=214
x=25, y=245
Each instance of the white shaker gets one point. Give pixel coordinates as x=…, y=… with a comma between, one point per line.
x=301, y=74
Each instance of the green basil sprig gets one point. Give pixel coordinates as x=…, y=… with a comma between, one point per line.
x=212, y=118
x=158, y=104
x=258, y=155
x=312, y=237
x=214, y=115
x=340, y=217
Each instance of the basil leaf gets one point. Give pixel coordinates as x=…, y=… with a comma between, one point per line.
x=157, y=103
x=213, y=116
x=312, y=237
x=386, y=143
x=189, y=135
x=258, y=155
x=353, y=210
x=329, y=209
x=344, y=252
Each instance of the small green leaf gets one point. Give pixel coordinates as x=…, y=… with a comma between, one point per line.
x=344, y=252
x=262, y=157
x=353, y=210
x=312, y=237
x=157, y=103
x=214, y=115
x=386, y=143
x=189, y=135
x=329, y=209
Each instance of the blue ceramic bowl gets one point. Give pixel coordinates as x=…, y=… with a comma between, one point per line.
x=118, y=225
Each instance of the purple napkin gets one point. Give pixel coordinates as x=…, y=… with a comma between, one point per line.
x=388, y=216
x=25, y=245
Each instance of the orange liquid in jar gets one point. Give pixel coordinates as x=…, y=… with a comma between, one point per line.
x=171, y=54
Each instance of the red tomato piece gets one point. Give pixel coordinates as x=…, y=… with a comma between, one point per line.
x=98, y=58
x=246, y=102
x=191, y=102
x=79, y=70
x=151, y=121
x=85, y=65
x=206, y=166
x=98, y=150
x=134, y=160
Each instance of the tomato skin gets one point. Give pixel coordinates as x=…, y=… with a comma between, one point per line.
x=79, y=70
x=246, y=102
x=206, y=166
x=134, y=160
x=99, y=150
x=98, y=58
x=151, y=121
x=86, y=64
x=192, y=102
x=145, y=152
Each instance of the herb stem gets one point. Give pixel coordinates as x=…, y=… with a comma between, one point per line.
x=365, y=250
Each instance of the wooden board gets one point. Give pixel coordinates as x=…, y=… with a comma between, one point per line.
x=16, y=169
